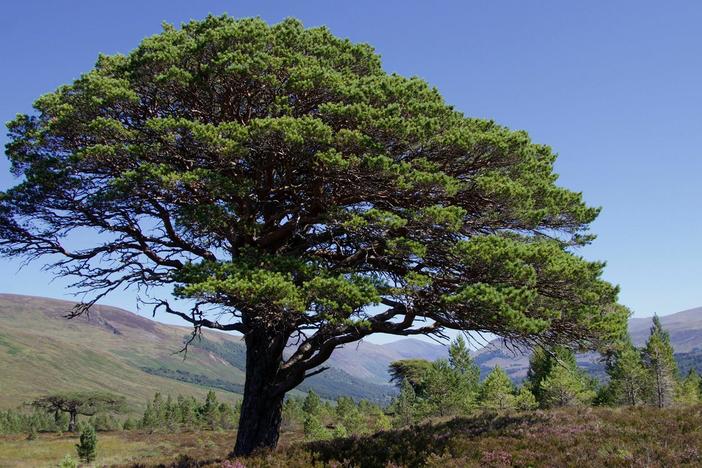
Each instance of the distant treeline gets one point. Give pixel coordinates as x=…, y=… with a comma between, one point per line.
x=199, y=379
x=161, y=413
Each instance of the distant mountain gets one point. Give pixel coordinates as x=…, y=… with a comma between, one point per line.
x=134, y=356
x=124, y=353
x=370, y=361
x=685, y=329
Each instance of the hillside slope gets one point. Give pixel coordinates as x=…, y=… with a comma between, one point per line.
x=685, y=329
x=41, y=352
x=121, y=352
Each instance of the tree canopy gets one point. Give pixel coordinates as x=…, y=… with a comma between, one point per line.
x=413, y=371
x=290, y=189
x=75, y=403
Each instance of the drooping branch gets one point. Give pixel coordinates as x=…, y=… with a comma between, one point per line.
x=197, y=319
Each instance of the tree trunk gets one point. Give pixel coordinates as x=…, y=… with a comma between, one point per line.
x=72, y=421
x=261, y=409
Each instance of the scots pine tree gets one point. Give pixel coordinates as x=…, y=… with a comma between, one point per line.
x=463, y=363
x=75, y=403
x=314, y=429
x=566, y=385
x=661, y=366
x=446, y=391
x=628, y=379
x=525, y=399
x=348, y=414
x=312, y=405
x=209, y=411
x=497, y=391
x=556, y=380
x=293, y=413
x=414, y=371
x=289, y=188
x=405, y=405
x=541, y=362
x=687, y=391
x=87, y=446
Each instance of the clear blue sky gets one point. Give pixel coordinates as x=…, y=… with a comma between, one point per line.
x=614, y=87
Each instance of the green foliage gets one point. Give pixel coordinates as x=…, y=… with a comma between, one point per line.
x=25, y=420
x=628, y=379
x=186, y=413
x=441, y=387
x=350, y=416
x=347, y=417
x=404, y=407
x=525, y=399
x=462, y=362
x=497, y=391
x=314, y=430
x=566, y=386
x=376, y=418
x=312, y=404
x=659, y=360
x=209, y=412
x=87, y=446
x=293, y=414
x=687, y=391
x=86, y=403
x=32, y=433
x=414, y=371
x=129, y=425
x=199, y=128
x=103, y=422
x=447, y=391
x=68, y=462
x=541, y=364
x=556, y=380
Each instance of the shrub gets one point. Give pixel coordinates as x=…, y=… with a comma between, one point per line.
x=314, y=430
x=68, y=462
x=87, y=447
x=129, y=425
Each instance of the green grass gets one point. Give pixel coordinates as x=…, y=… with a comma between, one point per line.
x=116, y=448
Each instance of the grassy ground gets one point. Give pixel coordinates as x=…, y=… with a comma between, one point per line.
x=116, y=448
x=573, y=437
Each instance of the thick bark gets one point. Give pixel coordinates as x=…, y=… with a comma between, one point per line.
x=261, y=409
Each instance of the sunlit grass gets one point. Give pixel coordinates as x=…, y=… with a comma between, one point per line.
x=116, y=448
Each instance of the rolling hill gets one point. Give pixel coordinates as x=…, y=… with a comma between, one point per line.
x=40, y=352
x=125, y=353
x=118, y=351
